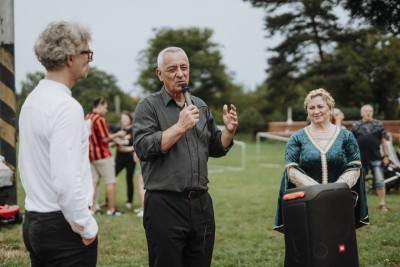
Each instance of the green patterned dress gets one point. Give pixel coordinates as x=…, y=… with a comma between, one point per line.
x=308, y=163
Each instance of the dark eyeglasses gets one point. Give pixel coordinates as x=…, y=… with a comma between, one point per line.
x=89, y=53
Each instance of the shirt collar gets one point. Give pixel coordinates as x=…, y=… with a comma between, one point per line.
x=54, y=84
x=166, y=97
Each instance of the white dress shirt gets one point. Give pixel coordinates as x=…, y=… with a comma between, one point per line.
x=54, y=156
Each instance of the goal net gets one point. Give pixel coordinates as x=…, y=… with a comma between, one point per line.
x=235, y=160
x=270, y=149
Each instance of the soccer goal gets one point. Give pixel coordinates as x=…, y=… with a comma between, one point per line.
x=235, y=160
x=270, y=149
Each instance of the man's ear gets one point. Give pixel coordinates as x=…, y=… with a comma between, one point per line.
x=158, y=71
x=68, y=60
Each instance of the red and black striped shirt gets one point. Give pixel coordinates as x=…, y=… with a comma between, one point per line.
x=99, y=130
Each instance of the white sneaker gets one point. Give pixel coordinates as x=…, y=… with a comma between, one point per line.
x=128, y=205
x=95, y=212
x=116, y=212
x=138, y=210
x=140, y=213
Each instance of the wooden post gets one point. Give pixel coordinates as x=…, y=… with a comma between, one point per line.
x=8, y=194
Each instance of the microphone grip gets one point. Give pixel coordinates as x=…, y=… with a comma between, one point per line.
x=186, y=93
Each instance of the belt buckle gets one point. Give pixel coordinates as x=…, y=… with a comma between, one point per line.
x=191, y=194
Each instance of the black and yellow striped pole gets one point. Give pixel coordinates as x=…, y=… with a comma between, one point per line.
x=8, y=193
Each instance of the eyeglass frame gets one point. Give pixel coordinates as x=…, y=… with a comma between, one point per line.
x=88, y=52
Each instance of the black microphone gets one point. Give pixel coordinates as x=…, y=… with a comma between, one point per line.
x=186, y=93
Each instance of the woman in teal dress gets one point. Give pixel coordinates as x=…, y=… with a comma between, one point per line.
x=323, y=153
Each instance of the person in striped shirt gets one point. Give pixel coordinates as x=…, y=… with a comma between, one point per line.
x=101, y=162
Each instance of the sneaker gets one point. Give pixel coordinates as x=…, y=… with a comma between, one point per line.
x=95, y=212
x=138, y=210
x=116, y=212
x=140, y=213
x=103, y=204
x=128, y=205
x=383, y=208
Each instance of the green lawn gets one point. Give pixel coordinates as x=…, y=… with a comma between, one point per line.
x=244, y=203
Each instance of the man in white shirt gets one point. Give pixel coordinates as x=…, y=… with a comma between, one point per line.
x=58, y=228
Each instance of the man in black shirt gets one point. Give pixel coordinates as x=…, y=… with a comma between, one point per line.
x=173, y=141
x=370, y=135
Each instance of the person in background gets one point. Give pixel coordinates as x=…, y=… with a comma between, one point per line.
x=140, y=187
x=173, y=141
x=398, y=152
x=58, y=229
x=101, y=163
x=124, y=156
x=371, y=136
x=338, y=117
x=322, y=153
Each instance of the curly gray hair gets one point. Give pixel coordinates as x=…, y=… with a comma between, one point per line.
x=59, y=40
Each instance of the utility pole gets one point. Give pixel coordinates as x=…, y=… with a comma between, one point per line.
x=8, y=189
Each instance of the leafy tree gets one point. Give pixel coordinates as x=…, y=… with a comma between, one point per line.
x=253, y=116
x=98, y=83
x=209, y=79
x=310, y=29
x=381, y=14
x=366, y=71
x=356, y=66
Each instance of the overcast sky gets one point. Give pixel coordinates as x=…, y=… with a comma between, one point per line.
x=122, y=28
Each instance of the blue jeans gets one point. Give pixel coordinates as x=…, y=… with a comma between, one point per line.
x=377, y=171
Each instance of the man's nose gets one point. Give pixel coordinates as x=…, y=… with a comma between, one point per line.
x=179, y=72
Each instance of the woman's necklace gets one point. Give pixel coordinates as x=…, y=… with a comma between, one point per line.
x=320, y=131
x=322, y=138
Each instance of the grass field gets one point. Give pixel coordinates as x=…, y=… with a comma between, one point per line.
x=244, y=203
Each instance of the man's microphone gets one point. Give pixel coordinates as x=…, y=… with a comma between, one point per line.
x=186, y=93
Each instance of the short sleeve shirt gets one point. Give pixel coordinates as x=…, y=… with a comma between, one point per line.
x=369, y=135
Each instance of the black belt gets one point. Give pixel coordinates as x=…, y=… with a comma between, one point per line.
x=189, y=194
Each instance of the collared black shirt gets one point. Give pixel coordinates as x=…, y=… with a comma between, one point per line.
x=369, y=135
x=184, y=166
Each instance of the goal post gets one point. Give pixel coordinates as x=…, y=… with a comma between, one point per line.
x=270, y=136
x=235, y=159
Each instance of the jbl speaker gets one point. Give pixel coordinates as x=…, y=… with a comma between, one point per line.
x=319, y=226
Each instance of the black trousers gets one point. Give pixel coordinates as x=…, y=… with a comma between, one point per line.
x=50, y=241
x=180, y=231
x=120, y=164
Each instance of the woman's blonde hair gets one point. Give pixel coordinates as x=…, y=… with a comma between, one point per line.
x=326, y=96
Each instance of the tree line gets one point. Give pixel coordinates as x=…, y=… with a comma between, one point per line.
x=358, y=62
